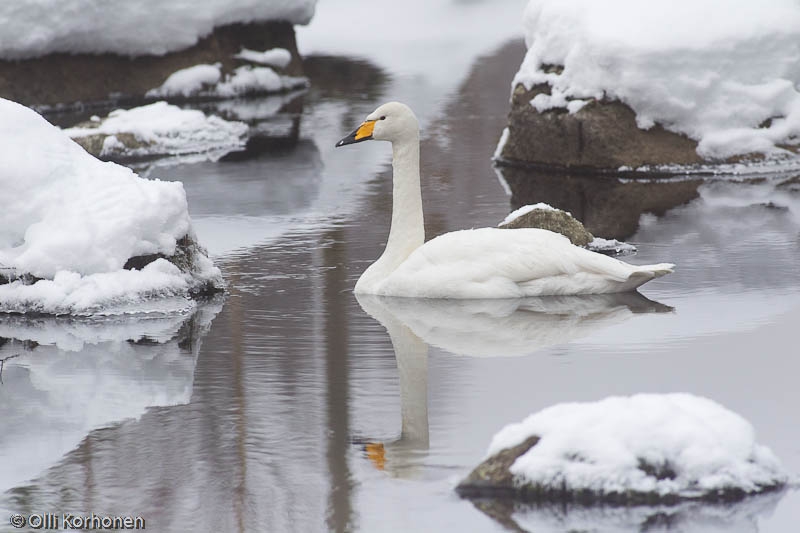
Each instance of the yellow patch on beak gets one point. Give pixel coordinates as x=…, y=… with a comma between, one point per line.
x=376, y=452
x=365, y=130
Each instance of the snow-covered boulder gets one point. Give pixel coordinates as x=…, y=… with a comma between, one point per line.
x=628, y=84
x=33, y=28
x=158, y=129
x=78, y=235
x=57, y=53
x=646, y=448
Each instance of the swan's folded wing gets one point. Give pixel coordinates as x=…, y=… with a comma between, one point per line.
x=490, y=262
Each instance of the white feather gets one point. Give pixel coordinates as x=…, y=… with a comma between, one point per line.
x=480, y=263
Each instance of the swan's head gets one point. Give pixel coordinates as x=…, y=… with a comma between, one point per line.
x=390, y=122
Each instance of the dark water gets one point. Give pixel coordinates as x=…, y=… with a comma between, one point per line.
x=289, y=405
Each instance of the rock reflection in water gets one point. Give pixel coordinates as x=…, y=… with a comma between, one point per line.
x=66, y=377
x=475, y=328
x=741, y=517
x=608, y=206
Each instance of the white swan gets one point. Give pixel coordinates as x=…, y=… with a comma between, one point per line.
x=477, y=263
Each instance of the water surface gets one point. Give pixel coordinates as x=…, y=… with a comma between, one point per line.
x=291, y=405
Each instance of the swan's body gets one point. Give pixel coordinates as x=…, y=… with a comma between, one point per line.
x=480, y=263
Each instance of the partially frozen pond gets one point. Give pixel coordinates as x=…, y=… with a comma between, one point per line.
x=290, y=407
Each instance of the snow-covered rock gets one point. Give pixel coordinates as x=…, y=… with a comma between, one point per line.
x=158, y=129
x=682, y=82
x=72, y=224
x=207, y=81
x=645, y=448
x=31, y=28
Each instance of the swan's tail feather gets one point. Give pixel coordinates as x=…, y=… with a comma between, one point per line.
x=658, y=270
x=645, y=273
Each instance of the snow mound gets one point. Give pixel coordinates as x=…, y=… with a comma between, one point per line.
x=75, y=221
x=667, y=444
x=206, y=81
x=189, y=81
x=161, y=128
x=725, y=76
x=525, y=209
x=275, y=57
x=31, y=28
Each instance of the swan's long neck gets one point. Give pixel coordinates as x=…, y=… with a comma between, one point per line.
x=408, y=228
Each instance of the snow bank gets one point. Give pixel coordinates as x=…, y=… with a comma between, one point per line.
x=668, y=444
x=275, y=57
x=75, y=221
x=30, y=28
x=161, y=128
x=727, y=76
x=207, y=81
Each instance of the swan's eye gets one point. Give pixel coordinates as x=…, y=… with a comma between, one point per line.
x=383, y=117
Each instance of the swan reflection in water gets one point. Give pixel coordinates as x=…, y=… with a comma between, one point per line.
x=481, y=328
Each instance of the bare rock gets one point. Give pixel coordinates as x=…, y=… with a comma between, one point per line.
x=554, y=220
x=123, y=142
x=601, y=135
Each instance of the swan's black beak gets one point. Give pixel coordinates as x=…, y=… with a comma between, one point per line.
x=363, y=133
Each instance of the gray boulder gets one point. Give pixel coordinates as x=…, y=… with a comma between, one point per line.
x=603, y=135
x=555, y=220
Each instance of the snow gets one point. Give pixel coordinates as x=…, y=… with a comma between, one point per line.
x=189, y=81
x=275, y=57
x=525, y=209
x=31, y=28
x=498, y=152
x=166, y=129
x=599, y=244
x=75, y=221
x=207, y=81
x=600, y=446
x=714, y=71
